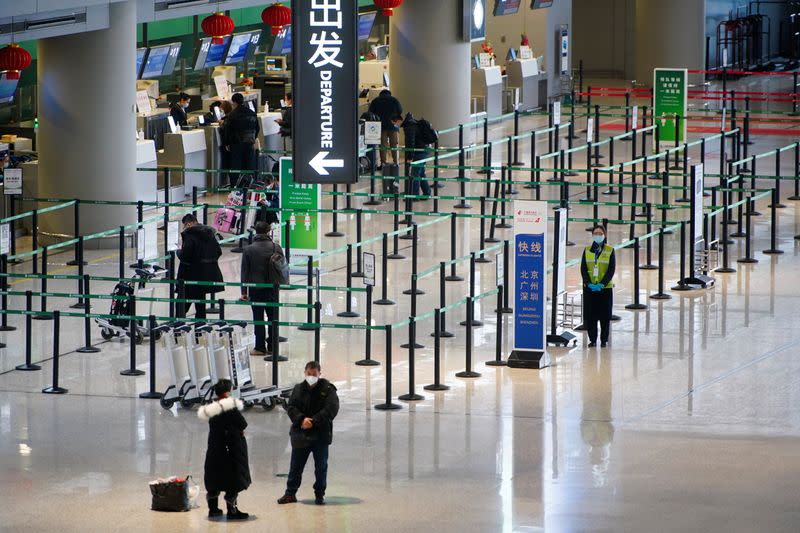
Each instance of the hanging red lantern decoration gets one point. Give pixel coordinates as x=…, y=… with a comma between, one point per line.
x=277, y=16
x=13, y=60
x=387, y=6
x=218, y=26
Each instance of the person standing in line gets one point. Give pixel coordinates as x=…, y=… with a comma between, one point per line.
x=241, y=134
x=387, y=107
x=285, y=122
x=199, y=256
x=597, y=269
x=255, y=269
x=227, y=467
x=312, y=407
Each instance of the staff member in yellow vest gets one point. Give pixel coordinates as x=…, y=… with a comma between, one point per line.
x=597, y=269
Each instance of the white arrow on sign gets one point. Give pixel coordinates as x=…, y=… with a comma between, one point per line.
x=321, y=165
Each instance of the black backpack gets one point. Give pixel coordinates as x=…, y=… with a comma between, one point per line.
x=278, y=268
x=426, y=132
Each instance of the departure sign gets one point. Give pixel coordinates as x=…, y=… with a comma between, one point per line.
x=325, y=80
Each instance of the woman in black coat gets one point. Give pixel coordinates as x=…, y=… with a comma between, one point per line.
x=227, y=468
x=199, y=256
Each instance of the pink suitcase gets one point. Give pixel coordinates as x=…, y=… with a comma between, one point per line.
x=225, y=220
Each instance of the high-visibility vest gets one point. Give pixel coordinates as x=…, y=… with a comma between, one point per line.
x=597, y=265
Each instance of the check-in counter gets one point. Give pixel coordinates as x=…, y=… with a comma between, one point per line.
x=154, y=125
x=185, y=149
x=532, y=84
x=146, y=180
x=487, y=88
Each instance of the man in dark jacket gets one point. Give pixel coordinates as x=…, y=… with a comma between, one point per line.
x=227, y=467
x=199, y=256
x=312, y=407
x=241, y=132
x=414, y=140
x=255, y=269
x=387, y=107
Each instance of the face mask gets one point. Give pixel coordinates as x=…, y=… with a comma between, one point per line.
x=312, y=380
x=185, y=106
x=598, y=239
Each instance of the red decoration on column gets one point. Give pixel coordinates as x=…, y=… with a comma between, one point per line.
x=277, y=16
x=218, y=26
x=388, y=6
x=14, y=59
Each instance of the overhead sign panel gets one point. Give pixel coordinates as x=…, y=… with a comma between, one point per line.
x=325, y=80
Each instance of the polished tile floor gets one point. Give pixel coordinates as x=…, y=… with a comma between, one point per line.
x=688, y=422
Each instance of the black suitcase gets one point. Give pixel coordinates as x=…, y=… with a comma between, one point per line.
x=390, y=170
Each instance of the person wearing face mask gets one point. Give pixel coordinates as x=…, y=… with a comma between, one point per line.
x=179, y=110
x=597, y=269
x=312, y=407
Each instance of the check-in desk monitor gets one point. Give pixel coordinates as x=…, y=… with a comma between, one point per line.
x=8, y=88
x=211, y=55
x=275, y=64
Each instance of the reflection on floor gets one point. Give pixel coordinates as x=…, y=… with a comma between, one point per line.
x=688, y=422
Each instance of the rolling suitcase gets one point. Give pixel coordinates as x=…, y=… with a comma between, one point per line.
x=390, y=170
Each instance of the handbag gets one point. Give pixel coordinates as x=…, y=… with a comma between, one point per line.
x=173, y=494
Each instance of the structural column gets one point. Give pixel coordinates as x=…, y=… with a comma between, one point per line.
x=429, y=61
x=87, y=121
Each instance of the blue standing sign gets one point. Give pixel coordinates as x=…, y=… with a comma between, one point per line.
x=530, y=285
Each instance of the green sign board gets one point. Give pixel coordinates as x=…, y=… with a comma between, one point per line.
x=299, y=205
x=670, y=87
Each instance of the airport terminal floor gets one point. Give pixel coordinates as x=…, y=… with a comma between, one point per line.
x=687, y=421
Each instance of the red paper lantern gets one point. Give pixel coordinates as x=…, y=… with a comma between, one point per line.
x=13, y=59
x=388, y=6
x=277, y=16
x=218, y=26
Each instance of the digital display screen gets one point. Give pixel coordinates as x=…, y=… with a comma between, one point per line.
x=156, y=59
x=7, y=89
x=239, y=44
x=506, y=7
x=286, y=47
x=216, y=53
x=172, y=59
x=140, y=53
x=537, y=4
x=365, y=23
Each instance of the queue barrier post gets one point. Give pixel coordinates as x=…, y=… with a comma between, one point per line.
x=748, y=256
x=348, y=312
x=309, y=296
x=636, y=305
x=470, y=321
x=368, y=361
x=453, y=276
x=437, y=350
x=44, y=315
x=54, y=388
x=87, y=333
x=4, y=299
x=468, y=373
x=442, y=330
x=661, y=295
x=76, y=223
x=412, y=395
x=152, y=394
x=498, y=346
x=773, y=230
x=28, y=365
x=79, y=303
x=388, y=405
x=134, y=337
x=384, y=299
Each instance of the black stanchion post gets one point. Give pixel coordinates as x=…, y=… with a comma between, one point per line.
x=725, y=268
x=442, y=331
x=334, y=232
x=487, y=148
x=412, y=395
x=35, y=239
x=468, y=372
x=796, y=196
x=76, y=224
x=121, y=258
x=152, y=394
x=778, y=175
x=368, y=361
x=310, y=295
x=437, y=351
x=384, y=299
x=388, y=405
x=661, y=295
x=462, y=181
x=43, y=299
x=318, y=329
x=134, y=335
x=748, y=255
x=414, y=261
x=54, y=388
x=453, y=244
x=636, y=305
x=773, y=230
x=359, y=273
x=498, y=341
x=471, y=321
x=87, y=335
x=28, y=365
x=348, y=312
x=482, y=238
x=649, y=213
x=4, y=298
x=682, y=285
x=506, y=275
x=81, y=264
x=516, y=162
x=396, y=227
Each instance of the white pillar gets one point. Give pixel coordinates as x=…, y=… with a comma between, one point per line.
x=87, y=122
x=429, y=61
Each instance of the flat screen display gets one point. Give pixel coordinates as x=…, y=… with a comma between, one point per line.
x=156, y=59
x=536, y=4
x=365, y=23
x=7, y=89
x=140, y=53
x=172, y=59
x=286, y=47
x=240, y=43
x=506, y=7
x=211, y=55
